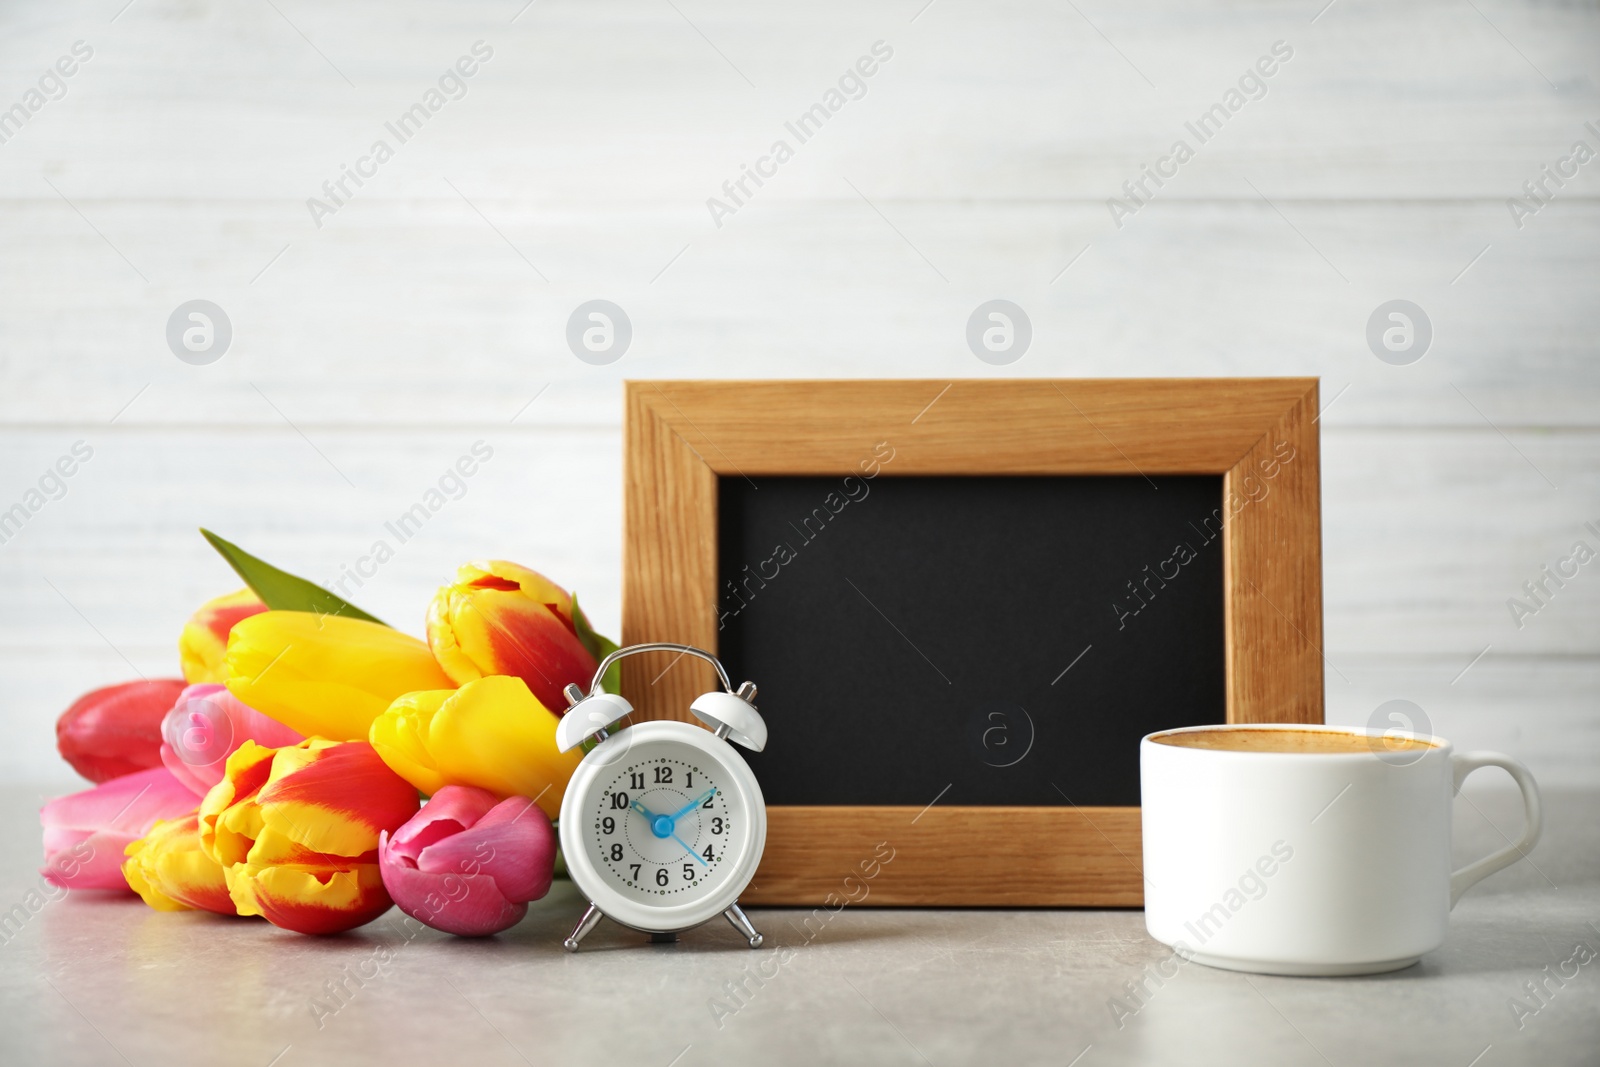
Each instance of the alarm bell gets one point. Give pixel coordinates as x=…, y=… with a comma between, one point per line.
x=588, y=715
x=730, y=713
x=733, y=716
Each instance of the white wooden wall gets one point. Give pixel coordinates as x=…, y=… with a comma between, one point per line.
x=425, y=315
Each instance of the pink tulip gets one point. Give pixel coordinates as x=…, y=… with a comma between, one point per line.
x=206, y=726
x=467, y=863
x=85, y=833
x=116, y=730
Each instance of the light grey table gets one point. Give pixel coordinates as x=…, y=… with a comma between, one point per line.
x=91, y=979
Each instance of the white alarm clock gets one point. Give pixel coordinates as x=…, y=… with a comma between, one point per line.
x=663, y=823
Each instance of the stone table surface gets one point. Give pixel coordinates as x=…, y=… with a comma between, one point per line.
x=97, y=979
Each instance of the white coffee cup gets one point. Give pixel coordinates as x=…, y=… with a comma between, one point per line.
x=1328, y=856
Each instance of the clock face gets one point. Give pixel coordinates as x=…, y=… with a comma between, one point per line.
x=664, y=823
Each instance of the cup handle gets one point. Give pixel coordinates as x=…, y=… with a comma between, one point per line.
x=1465, y=763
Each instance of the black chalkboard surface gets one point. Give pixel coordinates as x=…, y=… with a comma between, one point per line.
x=1010, y=637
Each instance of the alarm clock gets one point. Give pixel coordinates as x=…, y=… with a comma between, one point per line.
x=663, y=823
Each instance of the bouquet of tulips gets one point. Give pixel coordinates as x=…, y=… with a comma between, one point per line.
x=283, y=775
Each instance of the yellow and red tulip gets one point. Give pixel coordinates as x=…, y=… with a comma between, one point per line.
x=325, y=675
x=171, y=872
x=491, y=733
x=500, y=618
x=116, y=730
x=296, y=829
x=468, y=863
x=85, y=833
x=204, y=641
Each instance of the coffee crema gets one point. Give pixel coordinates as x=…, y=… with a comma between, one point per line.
x=1290, y=740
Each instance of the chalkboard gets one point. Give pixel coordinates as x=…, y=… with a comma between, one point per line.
x=986, y=640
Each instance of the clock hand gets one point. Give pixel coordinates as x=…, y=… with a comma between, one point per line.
x=687, y=808
x=642, y=810
x=697, y=858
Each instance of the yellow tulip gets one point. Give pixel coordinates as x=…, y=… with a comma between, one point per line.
x=204, y=641
x=491, y=733
x=326, y=675
x=168, y=868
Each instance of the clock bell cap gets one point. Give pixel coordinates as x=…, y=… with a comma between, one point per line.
x=588, y=717
x=744, y=722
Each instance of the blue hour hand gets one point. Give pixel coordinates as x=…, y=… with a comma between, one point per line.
x=695, y=803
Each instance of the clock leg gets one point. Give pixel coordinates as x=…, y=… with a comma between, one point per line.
x=741, y=923
x=590, y=920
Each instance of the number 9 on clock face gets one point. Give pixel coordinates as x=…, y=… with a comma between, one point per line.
x=664, y=830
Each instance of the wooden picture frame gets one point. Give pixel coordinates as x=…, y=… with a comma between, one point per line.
x=681, y=436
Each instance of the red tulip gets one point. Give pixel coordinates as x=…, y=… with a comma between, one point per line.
x=116, y=730
x=467, y=863
x=85, y=833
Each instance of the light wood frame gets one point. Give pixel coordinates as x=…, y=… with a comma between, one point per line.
x=681, y=436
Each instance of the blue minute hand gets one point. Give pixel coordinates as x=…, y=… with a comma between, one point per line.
x=689, y=850
x=695, y=803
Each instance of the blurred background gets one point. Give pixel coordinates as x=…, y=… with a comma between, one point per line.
x=362, y=338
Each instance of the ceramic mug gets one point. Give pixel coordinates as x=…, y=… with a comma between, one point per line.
x=1307, y=850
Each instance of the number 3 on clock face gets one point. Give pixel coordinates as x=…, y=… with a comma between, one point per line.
x=664, y=828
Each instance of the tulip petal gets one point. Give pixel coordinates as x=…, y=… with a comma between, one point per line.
x=309, y=900
x=469, y=905
x=130, y=804
x=116, y=730
x=399, y=737
x=204, y=641
x=205, y=726
x=514, y=844
x=167, y=868
x=229, y=824
x=326, y=675
x=93, y=862
x=85, y=833
x=450, y=811
x=189, y=775
x=61, y=839
x=335, y=797
x=491, y=733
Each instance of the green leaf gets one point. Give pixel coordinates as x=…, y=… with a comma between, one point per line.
x=599, y=647
x=280, y=590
